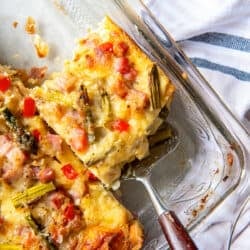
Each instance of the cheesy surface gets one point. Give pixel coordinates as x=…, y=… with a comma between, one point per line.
x=49, y=199
x=106, y=101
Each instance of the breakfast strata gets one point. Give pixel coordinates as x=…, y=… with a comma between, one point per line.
x=49, y=199
x=106, y=101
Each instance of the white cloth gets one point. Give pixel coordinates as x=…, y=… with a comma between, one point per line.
x=215, y=34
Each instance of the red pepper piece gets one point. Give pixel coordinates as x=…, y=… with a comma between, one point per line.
x=121, y=49
x=36, y=133
x=92, y=177
x=29, y=107
x=46, y=175
x=120, y=125
x=121, y=65
x=5, y=83
x=57, y=202
x=106, y=47
x=69, y=212
x=69, y=171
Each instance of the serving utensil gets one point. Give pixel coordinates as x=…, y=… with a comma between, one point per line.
x=160, y=144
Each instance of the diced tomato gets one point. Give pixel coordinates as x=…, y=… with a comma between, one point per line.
x=121, y=49
x=120, y=125
x=79, y=139
x=69, y=212
x=106, y=47
x=29, y=107
x=91, y=176
x=120, y=88
x=46, y=175
x=5, y=82
x=69, y=171
x=36, y=133
x=121, y=65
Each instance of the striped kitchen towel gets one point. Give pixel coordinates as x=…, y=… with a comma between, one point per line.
x=215, y=34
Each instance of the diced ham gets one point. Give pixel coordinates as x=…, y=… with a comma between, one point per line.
x=8, y=149
x=74, y=117
x=5, y=145
x=46, y=175
x=78, y=190
x=66, y=83
x=122, y=66
x=79, y=139
x=55, y=141
x=16, y=156
x=10, y=172
x=120, y=88
x=120, y=49
x=101, y=57
x=139, y=99
x=57, y=199
x=131, y=75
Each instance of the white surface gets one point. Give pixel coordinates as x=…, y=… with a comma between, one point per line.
x=186, y=19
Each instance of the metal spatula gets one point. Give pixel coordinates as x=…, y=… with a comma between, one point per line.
x=175, y=233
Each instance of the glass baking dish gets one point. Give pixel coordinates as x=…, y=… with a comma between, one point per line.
x=204, y=179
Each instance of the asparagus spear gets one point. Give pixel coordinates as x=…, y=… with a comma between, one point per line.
x=32, y=194
x=26, y=140
x=37, y=229
x=106, y=106
x=154, y=85
x=84, y=103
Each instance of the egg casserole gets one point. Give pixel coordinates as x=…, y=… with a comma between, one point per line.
x=106, y=101
x=49, y=199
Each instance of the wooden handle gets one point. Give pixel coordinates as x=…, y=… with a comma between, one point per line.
x=176, y=235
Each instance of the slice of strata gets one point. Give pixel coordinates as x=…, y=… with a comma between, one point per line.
x=49, y=200
x=106, y=101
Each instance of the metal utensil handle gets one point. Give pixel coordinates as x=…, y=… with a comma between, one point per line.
x=175, y=233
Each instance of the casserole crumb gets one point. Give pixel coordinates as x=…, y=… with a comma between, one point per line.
x=30, y=25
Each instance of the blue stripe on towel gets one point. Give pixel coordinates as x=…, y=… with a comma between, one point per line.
x=224, y=40
x=203, y=63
